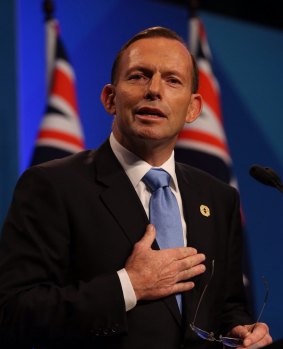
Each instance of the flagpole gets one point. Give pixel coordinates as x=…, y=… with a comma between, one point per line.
x=48, y=9
x=51, y=39
x=193, y=6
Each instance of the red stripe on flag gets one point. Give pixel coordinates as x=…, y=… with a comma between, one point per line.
x=209, y=93
x=61, y=136
x=64, y=87
x=202, y=33
x=203, y=137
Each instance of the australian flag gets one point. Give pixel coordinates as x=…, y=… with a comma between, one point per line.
x=60, y=132
x=203, y=143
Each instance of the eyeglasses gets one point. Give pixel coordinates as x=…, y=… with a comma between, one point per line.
x=227, y=341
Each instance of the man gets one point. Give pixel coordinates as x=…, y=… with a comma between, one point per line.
x=79, y=263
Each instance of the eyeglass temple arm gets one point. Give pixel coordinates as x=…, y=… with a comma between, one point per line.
x=204, y=290
x=264, y=301
x=265, y=297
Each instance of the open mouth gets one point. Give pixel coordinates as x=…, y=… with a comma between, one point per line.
x=150, y=112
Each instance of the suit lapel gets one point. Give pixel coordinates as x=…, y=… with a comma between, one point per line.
x=199, y=232
x=119, y=196
x=198, y=212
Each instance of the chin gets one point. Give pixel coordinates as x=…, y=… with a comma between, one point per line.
x=150, y=135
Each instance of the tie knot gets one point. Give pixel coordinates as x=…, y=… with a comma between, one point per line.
x=156, y=178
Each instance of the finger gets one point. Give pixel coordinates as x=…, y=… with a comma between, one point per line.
x=240, y=331
x=149, y=236
x=180, y=253
x=191, y=272
x=182, y=287
x=259, y=344
x=191, y=261
x=259, y=333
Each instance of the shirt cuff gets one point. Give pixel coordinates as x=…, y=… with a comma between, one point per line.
x=127, y=288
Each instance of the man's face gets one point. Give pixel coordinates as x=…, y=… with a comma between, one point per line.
x=152, y=96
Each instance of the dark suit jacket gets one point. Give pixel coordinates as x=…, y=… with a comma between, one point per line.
x=73, y=223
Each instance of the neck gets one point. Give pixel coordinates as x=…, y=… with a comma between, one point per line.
x=153, y=152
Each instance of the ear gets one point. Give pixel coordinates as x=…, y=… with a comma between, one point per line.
x=195, y=108
x=107, y=98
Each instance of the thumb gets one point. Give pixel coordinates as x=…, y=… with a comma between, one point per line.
x=149, y=236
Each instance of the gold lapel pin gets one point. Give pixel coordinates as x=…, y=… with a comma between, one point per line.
x=204, y=210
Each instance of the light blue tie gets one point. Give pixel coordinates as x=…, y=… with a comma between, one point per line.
x=164, y=212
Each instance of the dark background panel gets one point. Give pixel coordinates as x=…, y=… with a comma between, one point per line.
x=266, y=13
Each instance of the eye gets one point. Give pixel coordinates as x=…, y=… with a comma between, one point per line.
x=136, y=76
x=174, y=81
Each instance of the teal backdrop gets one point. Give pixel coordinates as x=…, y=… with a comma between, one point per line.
x=8, y=103
x=247, y=63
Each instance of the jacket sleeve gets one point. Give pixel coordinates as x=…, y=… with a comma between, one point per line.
x=39, y=297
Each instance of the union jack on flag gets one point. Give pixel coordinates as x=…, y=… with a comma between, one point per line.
x=60, y=132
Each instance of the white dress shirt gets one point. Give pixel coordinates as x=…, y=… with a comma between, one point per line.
x=135, y=169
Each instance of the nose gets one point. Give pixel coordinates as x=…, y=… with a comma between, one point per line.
x=154, y=88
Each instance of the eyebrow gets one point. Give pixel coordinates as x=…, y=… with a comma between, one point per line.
x=148, y=70
x=139, y=68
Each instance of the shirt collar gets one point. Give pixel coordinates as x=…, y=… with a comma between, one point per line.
x=136, y=168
